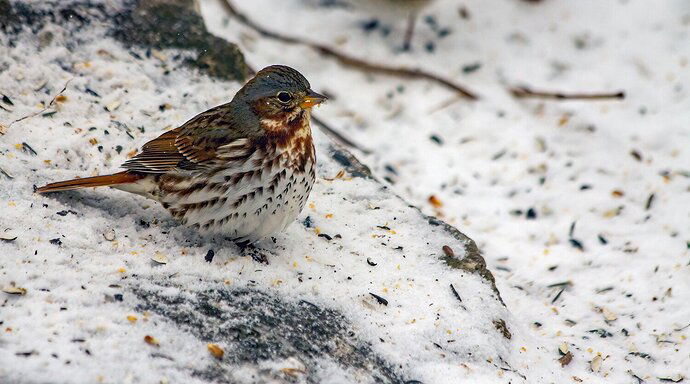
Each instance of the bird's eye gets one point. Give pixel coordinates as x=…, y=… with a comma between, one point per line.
x=284, y=97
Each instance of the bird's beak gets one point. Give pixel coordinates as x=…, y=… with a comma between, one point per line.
x=311, y=99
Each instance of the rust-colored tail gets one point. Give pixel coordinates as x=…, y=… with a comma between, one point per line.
x=88, y=182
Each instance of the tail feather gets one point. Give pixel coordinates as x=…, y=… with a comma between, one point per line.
x=88, y=182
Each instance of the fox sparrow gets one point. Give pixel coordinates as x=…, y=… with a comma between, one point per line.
x=243, y=169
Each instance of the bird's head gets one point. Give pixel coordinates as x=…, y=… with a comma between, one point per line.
x=279, y=95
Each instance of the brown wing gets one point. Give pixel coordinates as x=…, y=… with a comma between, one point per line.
x=159, y=155
x=191, y=146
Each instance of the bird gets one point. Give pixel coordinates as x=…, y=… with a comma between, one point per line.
x=243, y=169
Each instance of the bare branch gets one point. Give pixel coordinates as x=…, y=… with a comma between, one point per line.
x=528, y=93
x=350, y=60
x=338, y=136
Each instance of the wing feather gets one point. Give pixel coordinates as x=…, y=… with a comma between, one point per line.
x=193, y=146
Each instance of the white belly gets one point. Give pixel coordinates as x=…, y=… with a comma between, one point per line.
x=249, y=203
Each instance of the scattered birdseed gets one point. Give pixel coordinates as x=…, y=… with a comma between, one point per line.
x=91, y=92
x=209, y=256
x=566, y=359
x=608, y=314
x=601, y=332
x=457, y=296
x=563, y=348
x=433, y=200
x=160, y=258
x=380, y=299
x=27, y=148
x=469, y=68
x=636, y=154
x=602, y=239
x=109, y=234
x=7, y=100
x=14, y=290
x=595, y=364
x=576, y=244
x=215, y=350
x=110, y=107
x=558, y=295
x=150, y=340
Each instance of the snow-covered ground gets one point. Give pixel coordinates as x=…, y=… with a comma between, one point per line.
x=582, y=209
x=103, y=286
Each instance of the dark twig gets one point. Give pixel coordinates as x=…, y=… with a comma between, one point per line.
x=457, y=296
x=330, y=131
x=528, y=93
x=347, y=59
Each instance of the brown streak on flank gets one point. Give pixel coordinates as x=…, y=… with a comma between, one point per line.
x=201, y=204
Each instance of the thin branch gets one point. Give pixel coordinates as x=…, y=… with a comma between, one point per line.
x=338, y=136
x=527, y=93
x=347, y=59
x=52, y=101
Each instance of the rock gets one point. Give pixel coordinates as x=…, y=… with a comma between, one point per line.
x=151, y=24
x=312, y=315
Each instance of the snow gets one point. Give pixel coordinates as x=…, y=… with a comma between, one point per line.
x=570, y=162
x=90, y=261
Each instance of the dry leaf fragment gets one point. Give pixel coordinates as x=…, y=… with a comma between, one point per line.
x=150, y=340
x=3, y=129
x=215, y=350
x=566, y=359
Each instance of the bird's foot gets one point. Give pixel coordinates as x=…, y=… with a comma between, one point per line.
x=258, y=254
